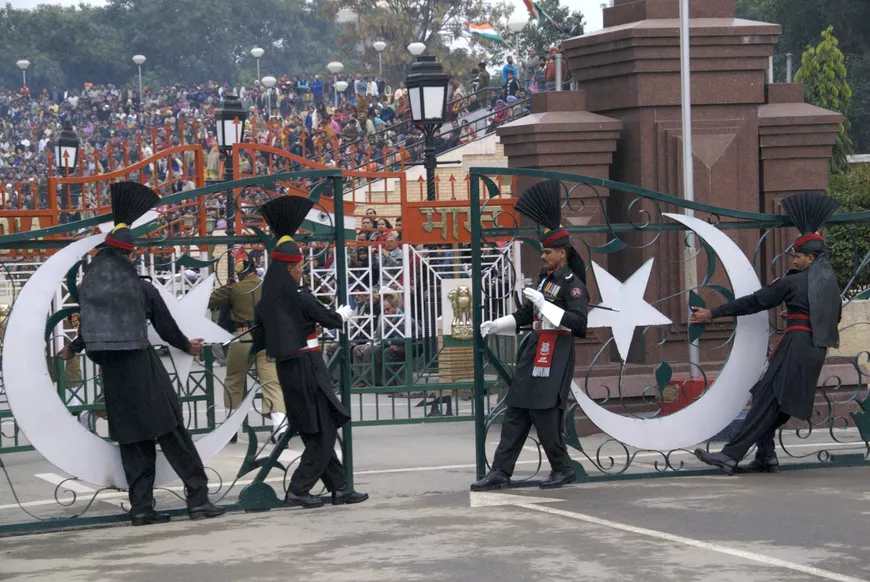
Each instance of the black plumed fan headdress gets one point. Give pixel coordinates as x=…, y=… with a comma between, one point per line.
x=542, y=204
x=809, y=211
x=284, y=215
x=130, y=200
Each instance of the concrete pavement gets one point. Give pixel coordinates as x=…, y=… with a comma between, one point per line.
x=422, y=524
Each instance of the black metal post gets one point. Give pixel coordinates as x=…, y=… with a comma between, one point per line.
x=343, y=340
x=230, y=214
x=429, y=160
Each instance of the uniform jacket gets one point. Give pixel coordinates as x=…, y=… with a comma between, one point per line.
x=286, y=316
x=113, y=304
x=241, y=298
x=795, y=366
x=141, y=402
x=564, y=289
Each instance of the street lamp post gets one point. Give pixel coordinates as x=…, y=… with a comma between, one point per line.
x=335, y=68
x=416, y=48
x=341, y=86
x=257, y=53
x=66, y=149
x=516, y=26
x=379, y=46
x=268, y=82
x=66, y=157
x=23, y=64
x=427, y=94
x=139, y=60
x=230, y=119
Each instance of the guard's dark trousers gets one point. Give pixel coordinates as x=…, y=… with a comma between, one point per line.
x=139, y=458
x=759, y=428
x=514, y=430
x=319, y=460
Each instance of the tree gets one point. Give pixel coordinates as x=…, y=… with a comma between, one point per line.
x=823, y=74
x=850, y=244
x=68, y=46
x=802, y=22
x=435, y=23
x=540, y=34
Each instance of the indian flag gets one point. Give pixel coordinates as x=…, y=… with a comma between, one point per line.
x=535, y=11
x=532, y=7
x=485, y=31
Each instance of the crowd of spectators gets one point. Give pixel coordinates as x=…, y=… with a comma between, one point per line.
x=365, y=127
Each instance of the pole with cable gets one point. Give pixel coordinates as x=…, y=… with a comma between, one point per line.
x=690, y=269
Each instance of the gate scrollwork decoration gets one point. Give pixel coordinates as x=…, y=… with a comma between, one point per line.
x=656, y=383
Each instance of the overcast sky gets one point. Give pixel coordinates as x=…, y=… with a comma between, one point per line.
x=591, y=8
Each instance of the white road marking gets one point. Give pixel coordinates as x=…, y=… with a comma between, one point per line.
x=664, y=536
x=420, y=469
x=492, y=499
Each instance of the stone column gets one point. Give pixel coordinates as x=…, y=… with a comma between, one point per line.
x=559, y=135
x=796, y=141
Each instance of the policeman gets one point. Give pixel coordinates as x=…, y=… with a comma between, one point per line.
x=556, y=311
x=240, y=298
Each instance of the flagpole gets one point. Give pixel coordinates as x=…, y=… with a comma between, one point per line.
x=690, y=268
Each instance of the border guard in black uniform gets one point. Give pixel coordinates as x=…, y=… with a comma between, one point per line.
x=141, y=403
x=556, y=310
x=812, y=298
x=287, y=317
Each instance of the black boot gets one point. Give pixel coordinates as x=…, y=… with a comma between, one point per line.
x=559, y=478
x=348, y=496
x=725, y=463
x=205, y=511
x=306, y=501
x=494, y=480
x=148, y=517
x=761, y=465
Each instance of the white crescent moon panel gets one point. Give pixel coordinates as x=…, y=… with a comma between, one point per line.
x=727, y=395
x=41, y=415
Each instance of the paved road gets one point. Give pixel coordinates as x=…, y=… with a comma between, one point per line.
x=422, y=524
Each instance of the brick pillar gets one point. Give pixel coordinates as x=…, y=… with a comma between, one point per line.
x=796, y=142
x=559, y=135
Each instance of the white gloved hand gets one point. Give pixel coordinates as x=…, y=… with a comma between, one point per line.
x=533, y=295
x=506, y=325
x=345, y=311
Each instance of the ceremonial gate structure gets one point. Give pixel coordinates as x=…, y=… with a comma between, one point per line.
x=431, y=380
x=412, y=352
x=641, y=392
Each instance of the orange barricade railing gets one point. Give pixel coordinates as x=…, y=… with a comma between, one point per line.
x=77, y=194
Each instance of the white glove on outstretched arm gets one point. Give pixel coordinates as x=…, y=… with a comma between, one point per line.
x=506, y=325
x=533, y=295
x=345, y=311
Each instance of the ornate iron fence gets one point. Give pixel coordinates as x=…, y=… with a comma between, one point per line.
x=622, y=224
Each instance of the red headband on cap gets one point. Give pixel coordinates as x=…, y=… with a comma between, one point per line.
x=553, y=237
x=809, y=237
x=286, y=257
x=119, y=244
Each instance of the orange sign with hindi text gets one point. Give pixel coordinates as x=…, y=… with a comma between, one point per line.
x=449, y=221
